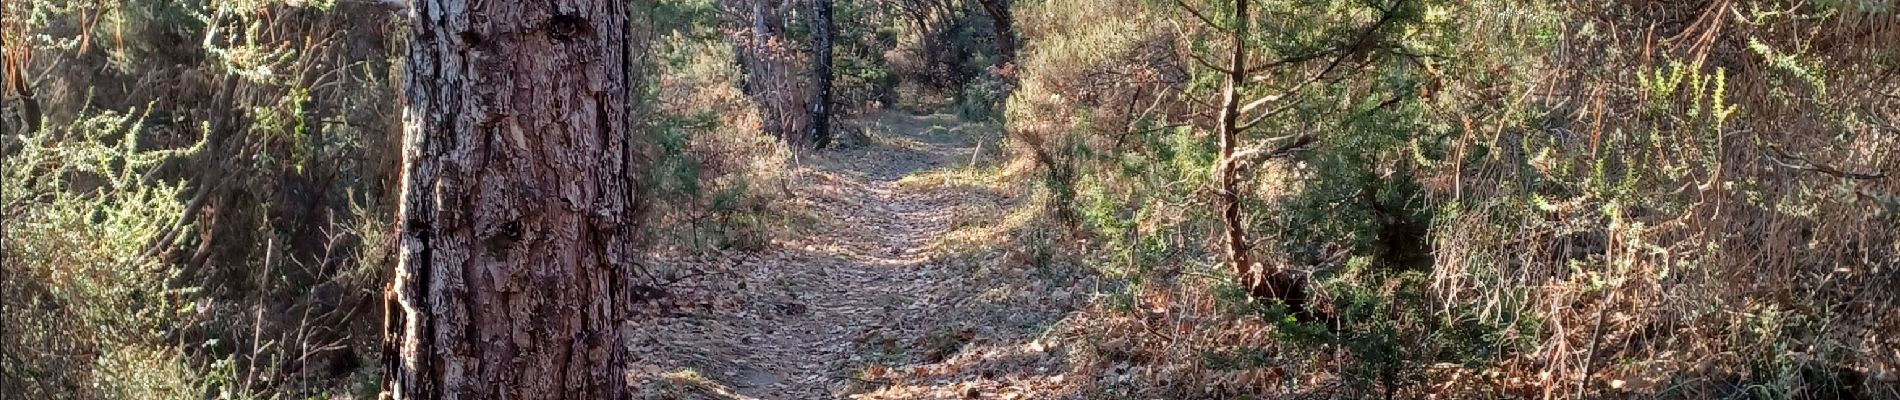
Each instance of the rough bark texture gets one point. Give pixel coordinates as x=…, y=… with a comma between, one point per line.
x=518, y=203
x=821, y=34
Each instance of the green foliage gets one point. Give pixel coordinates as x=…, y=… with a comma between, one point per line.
x=1132, y=202
x=1392, y=330
x=294, y=116
x=936, y=49
x=676, y=172
x=1359, y=201
x=1804, y=70
x=982, y=100
x=726, y=210
x=89, y=310
x=863, y=77
x=1485, y=177
x=713, y=175
x=1351, y=208
x=692, y=19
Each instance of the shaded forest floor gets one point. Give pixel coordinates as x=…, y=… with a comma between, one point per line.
x=904, y=285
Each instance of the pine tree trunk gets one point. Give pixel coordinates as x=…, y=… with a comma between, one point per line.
x=821, y=73
x=518, y=203
x=1266, y=282
x=1229, y=130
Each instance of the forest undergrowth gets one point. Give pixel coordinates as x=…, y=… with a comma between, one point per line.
x=905, y=199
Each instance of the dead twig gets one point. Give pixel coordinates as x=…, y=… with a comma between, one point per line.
x=1782, y=158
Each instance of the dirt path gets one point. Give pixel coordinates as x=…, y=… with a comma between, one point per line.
x=869, y=287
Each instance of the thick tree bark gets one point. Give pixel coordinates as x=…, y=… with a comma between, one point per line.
x=518, y=203
x=821, y=34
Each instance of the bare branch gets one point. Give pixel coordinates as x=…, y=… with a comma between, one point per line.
x=1291, y=60
x=1297, y=143
x=1791, y=161
x=1288, y=105
x=1190, y=97
x=1256, y=120
x=1197, y=14
x=1257, y=103
x=1210, y=65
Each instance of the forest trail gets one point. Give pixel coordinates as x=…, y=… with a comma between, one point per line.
x=871, y=289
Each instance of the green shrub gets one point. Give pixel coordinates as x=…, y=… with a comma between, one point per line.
x=982, y=100
x=89, y=310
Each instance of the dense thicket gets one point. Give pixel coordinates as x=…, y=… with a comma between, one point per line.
x=193, y=177
x=1521, y=199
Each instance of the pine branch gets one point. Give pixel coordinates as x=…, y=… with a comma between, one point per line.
x=1198, y=15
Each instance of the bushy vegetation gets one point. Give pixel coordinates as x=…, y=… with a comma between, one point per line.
x=716, y=175
x=1472, y=199
x=191, y=176
x=81, y=216
x=1581, y=200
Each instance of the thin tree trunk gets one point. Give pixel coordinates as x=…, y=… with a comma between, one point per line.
x=821, y=33
x=30, y=114
x=1004, y=25
x=768, y=73
x=518, y=203
x=1272, y=282
x=753, y=57
x=1229, y=131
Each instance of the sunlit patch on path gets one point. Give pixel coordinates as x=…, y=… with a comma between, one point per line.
x=872, y=292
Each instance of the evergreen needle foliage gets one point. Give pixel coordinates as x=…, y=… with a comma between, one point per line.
x=987, y=198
